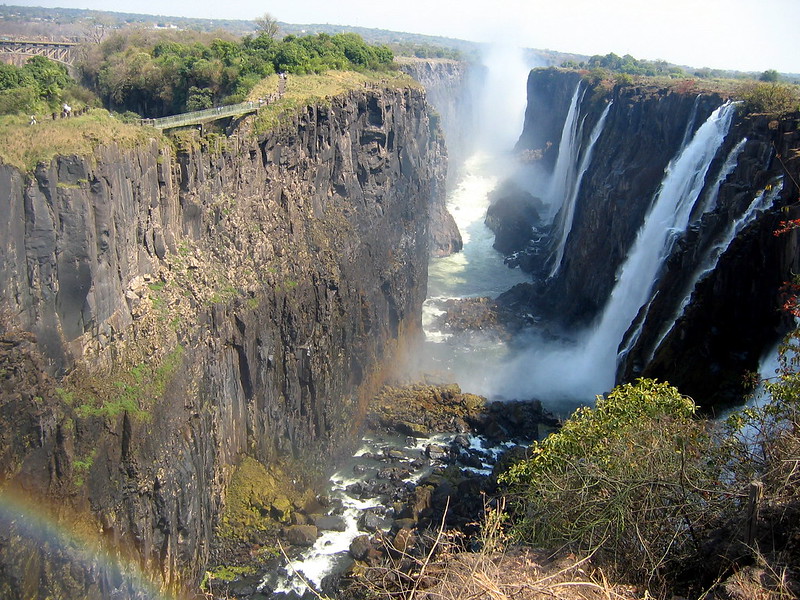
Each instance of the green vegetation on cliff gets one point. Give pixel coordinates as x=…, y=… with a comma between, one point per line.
x=157, y=74
x=39, y=86
x=661, y=497
x=24, y=145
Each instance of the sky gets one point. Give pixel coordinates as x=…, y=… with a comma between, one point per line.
x=745, y=35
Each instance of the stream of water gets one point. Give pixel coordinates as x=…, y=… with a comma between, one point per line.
x=477, y=271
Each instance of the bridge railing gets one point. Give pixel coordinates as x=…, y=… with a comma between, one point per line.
x=198, y=116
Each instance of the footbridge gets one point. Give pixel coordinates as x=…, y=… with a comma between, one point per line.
x=199, y=117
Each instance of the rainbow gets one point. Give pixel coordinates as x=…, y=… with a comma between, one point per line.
x=28, y=527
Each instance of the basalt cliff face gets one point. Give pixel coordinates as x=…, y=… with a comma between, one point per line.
x=626, y=138
x=166, y=312
x=450, y=87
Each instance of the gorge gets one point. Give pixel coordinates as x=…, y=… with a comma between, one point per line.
x=173, y=311
x=628, y=150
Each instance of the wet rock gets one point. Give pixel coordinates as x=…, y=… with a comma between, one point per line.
x=372, y=522
x=437, y=452
x=301, y=535
x=404, y=524
x=394, y=454
x=316, y=505
x=328, y=522
x=511, y=215
x=471, y=460
x=462, y=441
x=242, y=589
x=393, y=473
x=360, y=547
x=299, y=518
x=415, y=430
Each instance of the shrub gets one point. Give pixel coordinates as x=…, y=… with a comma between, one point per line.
x=770, y=98
x=626, y=479
x=22, y=99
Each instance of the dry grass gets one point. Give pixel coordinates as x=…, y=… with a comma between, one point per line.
x=24, y=145
x=524, y=574
x=437, y=569
x=302, y=90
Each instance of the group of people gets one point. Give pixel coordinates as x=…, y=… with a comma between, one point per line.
x=66, y=112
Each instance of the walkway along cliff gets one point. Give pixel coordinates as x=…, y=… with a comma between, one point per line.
x=167, y=311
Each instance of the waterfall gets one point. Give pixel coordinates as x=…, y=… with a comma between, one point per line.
x=666, y=221
x=703, y=206
x=690, y=123
x=567, y=155
x=575, y=370
x=567, y=212
x=760, y=203
x=710, y=202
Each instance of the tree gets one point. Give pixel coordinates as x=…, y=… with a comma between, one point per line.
x=98, y=27
x=267, y=25
x=770, y=75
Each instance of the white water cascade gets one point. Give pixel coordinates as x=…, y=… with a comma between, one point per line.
x=564, y=170
x=690, y=123
x=706, y=204
x=667, y=220
x=728, y=166
x=567, y=212
x=586, y=366
x=760, y=203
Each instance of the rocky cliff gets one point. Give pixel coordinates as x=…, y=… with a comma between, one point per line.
x=450, y=89
x=167, y=310
x=644, y=128
x=724, y=320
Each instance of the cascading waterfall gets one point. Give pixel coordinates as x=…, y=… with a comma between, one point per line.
x=568, y=147
x=706, y=204
x=728, y=166
x=690, y=123
x=567, y=212
x=667, y=220
x=760, y=203
x=587, y=366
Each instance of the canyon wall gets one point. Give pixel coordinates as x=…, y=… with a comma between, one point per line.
x=169, y=309
x=450, y=87
x=644, y=130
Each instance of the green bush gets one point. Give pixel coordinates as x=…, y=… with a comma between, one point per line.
x=176, y=72
x=29, y=88
x=22, y=99
x=770, y=98
x=626, y=479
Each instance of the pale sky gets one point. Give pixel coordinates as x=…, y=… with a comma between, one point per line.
x=746, y=35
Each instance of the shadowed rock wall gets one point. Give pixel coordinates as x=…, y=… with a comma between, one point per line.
x=166, y=311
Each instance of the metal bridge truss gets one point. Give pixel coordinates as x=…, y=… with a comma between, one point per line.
x=62, y=52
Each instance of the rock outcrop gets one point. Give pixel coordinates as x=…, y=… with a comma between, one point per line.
x=168, y=311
